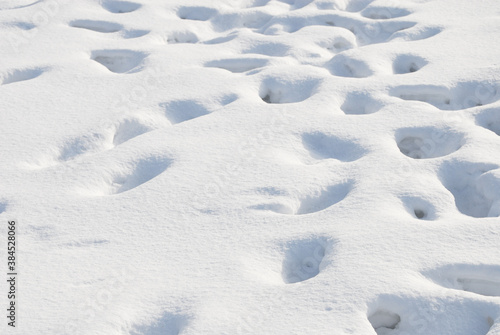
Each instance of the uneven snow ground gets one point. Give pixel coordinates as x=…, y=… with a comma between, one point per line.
x=252, y=166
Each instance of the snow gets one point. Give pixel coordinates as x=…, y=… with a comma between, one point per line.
x=252, y=166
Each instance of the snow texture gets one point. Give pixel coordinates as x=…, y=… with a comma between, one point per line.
x=252, y=166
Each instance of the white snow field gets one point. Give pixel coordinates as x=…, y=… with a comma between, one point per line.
x=251, y=166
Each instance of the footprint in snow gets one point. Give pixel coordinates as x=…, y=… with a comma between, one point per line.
x=303, y=258
x=408, y=64
x=356, y=5
x=19, y=75
x=254, y=20
x=125, y=177
x=97, y=26
x=130, y=128
x=416, y=33
x=307, y=203
x=197, y=13
x=384, y=13
x=335, y=43
x=119, y=61
x=360, y=103
x=19, y=25
x=490, y=119
x=167, y=324
x=238, y=65
x=419, y=208
x=280, y=90
x=104, y=139
x=384, y=322
x=478, y=279
x=375, y=32
x=181, y=36
x=343, y=65
x=107, y=28
x=475, y=186
x=271, y=49
x=324, y=146
x=427, y=142
x=462, y=96
x=323, y=199
x=178, y=111
x=443, y=314
x=120, y=7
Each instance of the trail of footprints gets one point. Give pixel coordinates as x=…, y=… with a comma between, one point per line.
x=477, y=281
x=474, y=186
x=303, y=258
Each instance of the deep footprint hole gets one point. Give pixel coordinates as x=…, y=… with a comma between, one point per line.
x=419, y=213
x=419, y=208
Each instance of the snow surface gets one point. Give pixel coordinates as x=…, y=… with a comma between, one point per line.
x=252, y=166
